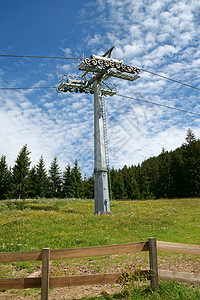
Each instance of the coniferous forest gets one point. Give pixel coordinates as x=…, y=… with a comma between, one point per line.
x=173, y=174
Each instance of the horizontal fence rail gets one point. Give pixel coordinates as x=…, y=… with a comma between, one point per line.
x=75, y=252
x=20, y=256
x=24, y=283
x=178, y=248
x=20, y=283
x=179, y=276
x=46, y=282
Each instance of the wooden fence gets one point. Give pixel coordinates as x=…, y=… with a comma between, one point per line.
x=45, y=282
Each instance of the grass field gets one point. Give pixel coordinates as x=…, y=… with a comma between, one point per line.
x=27, y=225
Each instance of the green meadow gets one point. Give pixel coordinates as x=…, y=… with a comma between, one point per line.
x=28, y=225
x=35, y=224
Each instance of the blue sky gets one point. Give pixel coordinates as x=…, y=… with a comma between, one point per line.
x=161, y=36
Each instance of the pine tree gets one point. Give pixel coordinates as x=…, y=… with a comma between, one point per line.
x=119, y=190
x=178, y=186
x=41, y=178
x=191, y=162
x=147, y=175
x=163, y=189
x=20, y=180
x=68, y=183
x=55, y=182
x=132, y=186
x=5, y=178
x=78, y=181
x=32, y=183
x=88, y=188
x=190, y=137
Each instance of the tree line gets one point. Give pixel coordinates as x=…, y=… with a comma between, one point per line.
x=172, y=174
x=22, y=182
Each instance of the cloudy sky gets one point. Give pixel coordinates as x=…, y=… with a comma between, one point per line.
x=160, y=36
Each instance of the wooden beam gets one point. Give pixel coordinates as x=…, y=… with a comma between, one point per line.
x=75, y=252
x=179, y=276
x=153, y=263
x=20, y=283
x=20, y=256
x=179, y=248
x=96, y=279
x=24, y=283
x=83, y=280
x=99, y=250
x=45, y=274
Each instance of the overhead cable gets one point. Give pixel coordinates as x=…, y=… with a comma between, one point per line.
x=165, y=77
x=123, y=96
x=161, y=105
x=38, y=56
x=29, y=88
x=64, y=57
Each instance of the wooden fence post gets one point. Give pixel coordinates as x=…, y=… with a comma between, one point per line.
x=153, y=263
x=45, y=274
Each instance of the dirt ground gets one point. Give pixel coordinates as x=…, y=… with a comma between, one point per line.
x=179, y=262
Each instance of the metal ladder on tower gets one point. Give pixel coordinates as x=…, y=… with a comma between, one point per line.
x=106, y=143
x=105, y=131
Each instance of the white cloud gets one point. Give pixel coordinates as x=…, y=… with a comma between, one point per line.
x=65, y=68
x=96, y=40
x=67, y=51
x=131, y=50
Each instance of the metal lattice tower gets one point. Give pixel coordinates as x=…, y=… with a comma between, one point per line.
x=102, y=68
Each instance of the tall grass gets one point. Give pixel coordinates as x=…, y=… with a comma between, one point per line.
x=167, y=291
x=72, y=223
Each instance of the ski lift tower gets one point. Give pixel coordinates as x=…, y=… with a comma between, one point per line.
x=102, y=68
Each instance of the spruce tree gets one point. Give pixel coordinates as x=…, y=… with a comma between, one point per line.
x=68, y=183
x=164, y=181
x=131, y=184
x=20, y=180
x=118, y=186
x=190, y=137
x=32, y=183
x=41, y=178
x=5, y=178
x=191, y=163
x=145, y=178
x=78, y=181
x=55, y=182
x=88, y=188
x=178, y=186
